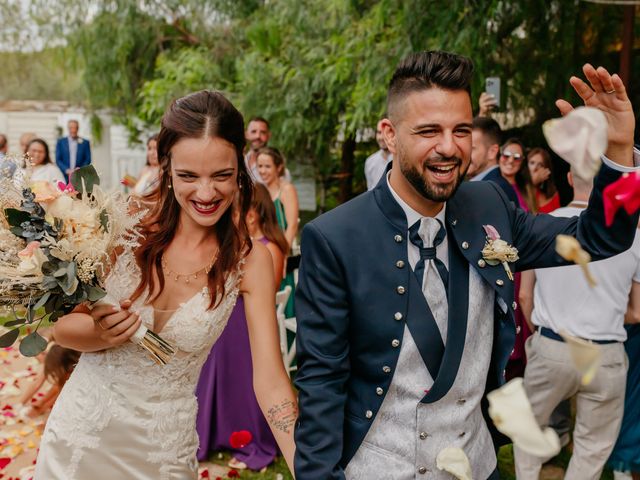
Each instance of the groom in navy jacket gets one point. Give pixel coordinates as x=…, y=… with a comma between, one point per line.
x=403, y=325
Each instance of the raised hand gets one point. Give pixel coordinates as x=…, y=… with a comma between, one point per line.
x=540, y=175
x=607, y=93
x=487, y=102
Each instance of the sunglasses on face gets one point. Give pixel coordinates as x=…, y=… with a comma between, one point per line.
x=516, y=156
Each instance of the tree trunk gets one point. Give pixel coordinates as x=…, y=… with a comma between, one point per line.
x=347, y=162
x=626, y=54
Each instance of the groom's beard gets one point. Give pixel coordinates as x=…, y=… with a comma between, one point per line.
x=436, y=192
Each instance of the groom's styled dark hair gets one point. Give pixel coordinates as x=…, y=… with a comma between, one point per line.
x=424, y=70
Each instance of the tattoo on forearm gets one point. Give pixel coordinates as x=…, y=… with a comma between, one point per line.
x=283, y=416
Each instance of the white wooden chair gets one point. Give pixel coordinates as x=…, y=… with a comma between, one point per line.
x=290, y=325
x=288, y=354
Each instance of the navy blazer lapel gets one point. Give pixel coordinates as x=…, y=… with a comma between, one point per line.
x=424, y=329
x=420, y=321
x=458, y=298
x=389, y=206
x=469, y=237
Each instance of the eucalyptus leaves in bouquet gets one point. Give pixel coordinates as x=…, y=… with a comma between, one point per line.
x=55, y=247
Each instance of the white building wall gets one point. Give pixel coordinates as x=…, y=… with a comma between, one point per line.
x=112, y=158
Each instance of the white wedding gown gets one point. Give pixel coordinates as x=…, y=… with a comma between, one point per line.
x=121, y=416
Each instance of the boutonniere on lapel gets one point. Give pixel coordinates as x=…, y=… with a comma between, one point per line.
x=498, y=251
x=80, y=140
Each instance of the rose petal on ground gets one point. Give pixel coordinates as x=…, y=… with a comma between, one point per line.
x=240, y=439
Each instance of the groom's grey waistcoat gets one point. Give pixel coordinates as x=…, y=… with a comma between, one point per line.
x=354, y=299
x=407, y=435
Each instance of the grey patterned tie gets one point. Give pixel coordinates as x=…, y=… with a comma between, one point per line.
x=432, y=285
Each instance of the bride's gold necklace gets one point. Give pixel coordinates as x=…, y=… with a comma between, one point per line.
x=187, y=277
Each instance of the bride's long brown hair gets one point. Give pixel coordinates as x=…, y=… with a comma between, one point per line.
x=198, y=115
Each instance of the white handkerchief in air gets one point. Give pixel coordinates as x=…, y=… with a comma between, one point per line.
x=510, y=410
x=580, y=138
x=453, y=460
x=585, y=355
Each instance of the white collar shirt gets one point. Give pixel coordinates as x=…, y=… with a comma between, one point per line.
x=442, y=250
x=73, y=153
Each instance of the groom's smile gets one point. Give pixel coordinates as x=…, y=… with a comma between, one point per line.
x=429, y=133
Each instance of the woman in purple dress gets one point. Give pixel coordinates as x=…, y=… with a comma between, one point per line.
x=226, y=400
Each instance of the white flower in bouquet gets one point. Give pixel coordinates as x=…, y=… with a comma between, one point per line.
x=31, y=260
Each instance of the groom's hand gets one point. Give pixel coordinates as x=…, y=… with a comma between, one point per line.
x=607, y=93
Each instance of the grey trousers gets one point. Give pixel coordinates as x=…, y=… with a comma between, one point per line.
x=550, y=378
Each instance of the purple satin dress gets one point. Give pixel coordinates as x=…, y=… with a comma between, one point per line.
x=226, y=400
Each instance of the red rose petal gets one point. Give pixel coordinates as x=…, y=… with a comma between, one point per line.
x=240, y=439
x=4, y=462
x=233, y=474
x=623, y=193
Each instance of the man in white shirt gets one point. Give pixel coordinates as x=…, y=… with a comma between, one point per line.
x=376, y=164
x=564, y=302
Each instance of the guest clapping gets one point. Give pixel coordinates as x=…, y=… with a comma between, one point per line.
x=514, y=170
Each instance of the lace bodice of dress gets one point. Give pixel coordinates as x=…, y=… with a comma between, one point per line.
x=192, y=329
x=124, y=381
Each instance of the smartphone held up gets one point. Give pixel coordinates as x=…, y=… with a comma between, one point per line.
x=492, y=87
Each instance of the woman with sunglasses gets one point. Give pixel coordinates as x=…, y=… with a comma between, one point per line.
x=514, y=170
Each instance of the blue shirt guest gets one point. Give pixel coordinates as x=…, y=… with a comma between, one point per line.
x=403, y=326
x=72, y=151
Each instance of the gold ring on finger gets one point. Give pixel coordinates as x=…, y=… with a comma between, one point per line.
x=611, y=91
x=100, y=324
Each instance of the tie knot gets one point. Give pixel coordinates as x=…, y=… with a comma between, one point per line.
x=427, y=232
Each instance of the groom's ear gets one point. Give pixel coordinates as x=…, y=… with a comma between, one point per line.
x=389, y=134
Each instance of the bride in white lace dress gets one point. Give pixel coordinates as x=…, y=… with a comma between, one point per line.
x=120, y=415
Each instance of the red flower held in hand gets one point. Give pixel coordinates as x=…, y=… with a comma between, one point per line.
x=240, y=439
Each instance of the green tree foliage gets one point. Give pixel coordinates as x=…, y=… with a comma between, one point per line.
x=533, y=45
x=318, y=69
x=44, y=75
